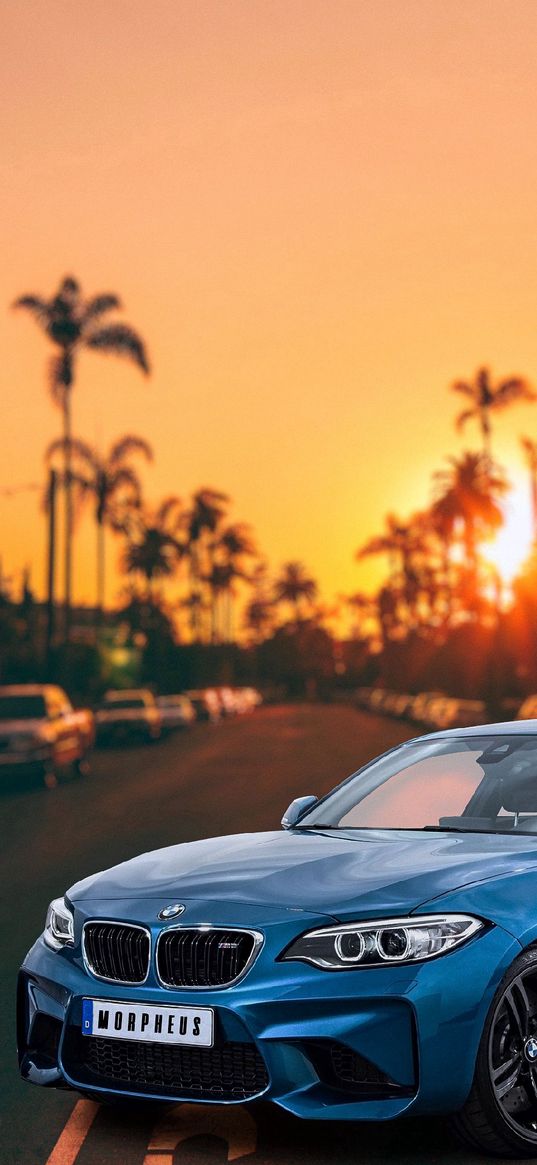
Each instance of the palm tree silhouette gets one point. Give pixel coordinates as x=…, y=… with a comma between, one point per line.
x=530, y=450
x=201, y=522
x=399, y=542
x=470, y=488
x=111, y=480
x=406, y=545
x=486, y=398
x=72, y=324
x=155, y=547
x=295, y=586
x=235, y=544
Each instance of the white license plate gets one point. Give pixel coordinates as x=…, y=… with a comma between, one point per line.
x=148, y=1022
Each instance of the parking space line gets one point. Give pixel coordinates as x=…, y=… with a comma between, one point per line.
x=74, y=1133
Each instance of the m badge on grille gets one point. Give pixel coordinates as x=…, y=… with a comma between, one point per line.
x=171, y=911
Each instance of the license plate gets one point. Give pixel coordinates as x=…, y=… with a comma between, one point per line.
x=148, y=1022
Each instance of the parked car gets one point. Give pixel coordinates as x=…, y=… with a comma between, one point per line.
x=528, y=709
x=376, y=959
x=176, y=712
x=127, y=714
x=228, y=701
x=206, y=704
x=246, y=699
x=41, y=734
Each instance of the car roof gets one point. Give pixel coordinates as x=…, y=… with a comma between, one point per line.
x=506, y=728
x=127, y=694
x=24, y=689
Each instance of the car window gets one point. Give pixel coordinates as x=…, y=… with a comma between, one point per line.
x=487, y=782
x=22, y=707
x=134, y=702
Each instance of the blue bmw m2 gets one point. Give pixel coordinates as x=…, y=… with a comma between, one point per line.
x=376, y=958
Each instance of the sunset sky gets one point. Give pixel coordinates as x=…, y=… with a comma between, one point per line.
x=317, y=212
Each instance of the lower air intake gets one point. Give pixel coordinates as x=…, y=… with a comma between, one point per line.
x=233, y=1071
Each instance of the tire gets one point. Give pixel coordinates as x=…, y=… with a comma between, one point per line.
x=499, y=1117
x=50, y=779
x=81, y=767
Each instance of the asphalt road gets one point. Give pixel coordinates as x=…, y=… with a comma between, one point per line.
x=237, y=776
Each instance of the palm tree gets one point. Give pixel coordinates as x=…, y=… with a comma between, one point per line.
x=259, y=618
x=73, y=323
x=471, y=489
x=154, y=546
x=111, y=480
x=235, y=544
x=399, y=542
x=202, y=521
x=363, y=609
x=407, y=546
x=295, y=586
x=530, y=450
x=486, y=398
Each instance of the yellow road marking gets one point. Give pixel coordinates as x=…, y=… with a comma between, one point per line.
x=233, y=1125
x=74, y=1134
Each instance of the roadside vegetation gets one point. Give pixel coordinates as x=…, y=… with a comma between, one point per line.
x=199, y=603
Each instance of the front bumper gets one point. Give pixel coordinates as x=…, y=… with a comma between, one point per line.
x=367, y=1044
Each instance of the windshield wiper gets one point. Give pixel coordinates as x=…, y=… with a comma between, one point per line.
x=459, y=829
x=449, y=829
x=318, y=826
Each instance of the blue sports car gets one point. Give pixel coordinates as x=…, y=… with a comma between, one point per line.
x=376, y=958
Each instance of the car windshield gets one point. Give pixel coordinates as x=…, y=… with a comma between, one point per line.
x=475, y=783
x=22, y=708
x=135, y=702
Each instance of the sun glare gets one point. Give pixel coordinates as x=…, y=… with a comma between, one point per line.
x=511, y=546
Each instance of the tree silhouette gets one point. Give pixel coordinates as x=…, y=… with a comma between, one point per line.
x=72, y=324
x=296, y=587
x=471, y=488
x=201, y=522
x=111, y=480
x=154, y=548
x=530, y=451
x=486, y=398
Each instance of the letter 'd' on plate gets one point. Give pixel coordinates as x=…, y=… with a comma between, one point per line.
x=148, y=1023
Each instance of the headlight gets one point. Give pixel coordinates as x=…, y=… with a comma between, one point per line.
x=59, y=926
x=387, y=941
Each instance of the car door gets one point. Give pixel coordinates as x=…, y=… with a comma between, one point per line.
x=66, y=735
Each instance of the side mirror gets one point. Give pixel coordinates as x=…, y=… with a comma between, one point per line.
x=296, y=810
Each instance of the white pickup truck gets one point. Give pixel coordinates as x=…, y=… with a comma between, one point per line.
x=41, y=734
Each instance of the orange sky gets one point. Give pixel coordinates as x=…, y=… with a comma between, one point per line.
x=318, y=212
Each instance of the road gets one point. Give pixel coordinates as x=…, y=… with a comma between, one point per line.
x=237, y=776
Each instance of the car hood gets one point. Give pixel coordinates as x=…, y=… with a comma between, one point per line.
x=369, y=871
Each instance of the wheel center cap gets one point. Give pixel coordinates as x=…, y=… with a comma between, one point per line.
x=530, y=1049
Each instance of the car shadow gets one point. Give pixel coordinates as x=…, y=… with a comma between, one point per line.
x=190, y=1134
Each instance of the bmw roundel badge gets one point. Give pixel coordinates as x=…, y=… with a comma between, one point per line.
x=530, y=1049
x=172, y=911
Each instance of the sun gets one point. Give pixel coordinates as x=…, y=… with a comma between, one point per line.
x=511, y=546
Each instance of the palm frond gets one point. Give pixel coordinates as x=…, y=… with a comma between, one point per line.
x=69, y=287
x=466, y=415
x=127, y=445
x=99, y=305
x=509, y=391
x=125, y=476
x=37, y=307
x=119, y=340
x=464, y=388
x=78, y=448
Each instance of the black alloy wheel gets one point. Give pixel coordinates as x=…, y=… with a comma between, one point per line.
x=500, y=1115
